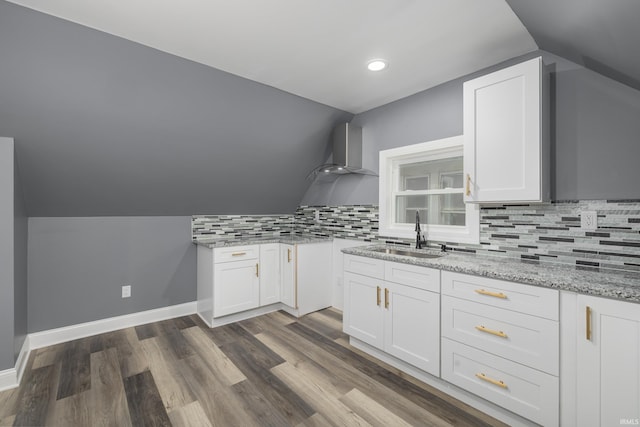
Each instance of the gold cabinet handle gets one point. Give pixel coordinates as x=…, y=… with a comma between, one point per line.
x=257, y=271
x=483, y=377
x=491, y=294
x=288, y=255
x=238, y=253
x=386, y=297
x=483, y=328
x=378, y=295
x=467, y=191
x=588, y=312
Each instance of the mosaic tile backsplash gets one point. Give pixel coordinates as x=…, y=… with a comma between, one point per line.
x=240, y=226
x=548, y=232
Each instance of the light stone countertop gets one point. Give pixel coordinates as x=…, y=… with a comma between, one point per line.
x=241, y=241
x=616, y=284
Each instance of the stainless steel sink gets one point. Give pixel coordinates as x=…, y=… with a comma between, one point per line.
x=404, y=252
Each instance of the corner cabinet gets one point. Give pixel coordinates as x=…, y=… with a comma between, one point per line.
x=306, y=277
x=395, y=308
x=240, y=282
x=608, y=362
x=506, y=151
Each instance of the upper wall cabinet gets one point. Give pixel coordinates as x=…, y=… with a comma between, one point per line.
x=506, y=155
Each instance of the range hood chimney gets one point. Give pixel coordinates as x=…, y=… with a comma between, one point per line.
x=347, y=154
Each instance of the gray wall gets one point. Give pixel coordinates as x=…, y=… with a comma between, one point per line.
x=78, y=265
x=600, y=35
x=107, y=127
x=7, y=359
x=594, y=135
x=20, y=235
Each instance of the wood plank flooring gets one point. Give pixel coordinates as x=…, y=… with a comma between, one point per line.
x=273, y=370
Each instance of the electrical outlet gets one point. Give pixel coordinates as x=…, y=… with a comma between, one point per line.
x=589, y=220
x=126, y=291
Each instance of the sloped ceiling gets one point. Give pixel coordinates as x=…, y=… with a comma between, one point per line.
x=317, y=49
x=603, y=36
x=107, y=126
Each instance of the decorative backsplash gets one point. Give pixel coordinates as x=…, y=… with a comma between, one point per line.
x=204, y=227
x=548, y=232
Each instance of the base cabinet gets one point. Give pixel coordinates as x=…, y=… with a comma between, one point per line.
x=500, y=341
x=402, y=320
x=312, y=277
x=240, y=282
x=288, y=274
x=237, y=287
x=608, y=362
x=411, y=331
x=363, y=316
x=269, y=272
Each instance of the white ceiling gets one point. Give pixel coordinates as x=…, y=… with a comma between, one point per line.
x=317, y=49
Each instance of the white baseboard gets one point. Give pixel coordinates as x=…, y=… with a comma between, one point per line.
x=10, y=378
x=82, y=330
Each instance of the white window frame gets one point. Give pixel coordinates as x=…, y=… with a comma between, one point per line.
x=390, y=160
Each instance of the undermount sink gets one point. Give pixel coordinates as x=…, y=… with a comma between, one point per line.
x=404, y=252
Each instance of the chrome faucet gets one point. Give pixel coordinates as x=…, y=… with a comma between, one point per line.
x=420, y=240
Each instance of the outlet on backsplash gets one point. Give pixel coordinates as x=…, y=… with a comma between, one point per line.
x=589, y=220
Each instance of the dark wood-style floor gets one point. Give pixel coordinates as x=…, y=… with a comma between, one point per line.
x=273, y=370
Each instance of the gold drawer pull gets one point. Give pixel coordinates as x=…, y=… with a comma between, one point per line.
x=378, y=296
x=257, y=271
x=491, y=380
x=482, y=328
x=386, y=298
x=467, y=192
x=288, y=255
x=588, y=323
x=491, y=294
x=238, y=253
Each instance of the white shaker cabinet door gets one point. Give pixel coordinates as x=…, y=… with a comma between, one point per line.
x=412, y=326
x=505, y=144
x=608, y=366
x=269, y=272
x=237, y=287
x=288, y=275
x=363, y=313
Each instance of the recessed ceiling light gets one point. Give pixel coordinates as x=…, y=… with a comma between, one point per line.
x=377, y=65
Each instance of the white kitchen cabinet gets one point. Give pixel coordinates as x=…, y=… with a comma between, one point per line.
x=506, y=148
x=363, y=316
x=412, y=331
x=313, y=277
x=500, y=341
x=236, y=287
x=608, y=362
x=269, y=272
x=237, y=279
x=402, y=319
x=288, y=274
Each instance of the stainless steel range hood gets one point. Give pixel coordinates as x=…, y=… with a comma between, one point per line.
x=347, y=154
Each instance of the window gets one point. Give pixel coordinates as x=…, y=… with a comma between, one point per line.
x=426, y=179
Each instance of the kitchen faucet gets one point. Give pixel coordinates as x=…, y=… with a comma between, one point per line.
x=420, y=240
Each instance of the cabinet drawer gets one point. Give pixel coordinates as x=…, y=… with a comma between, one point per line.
x=366, y=266
x=527, y=392
x=522, y=338
x=412, y=275
x=526, y=299
x=236, y=253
